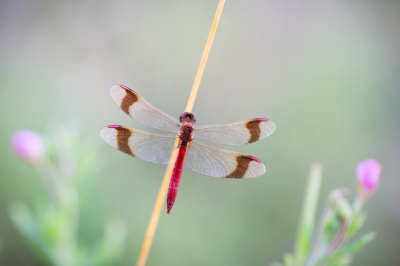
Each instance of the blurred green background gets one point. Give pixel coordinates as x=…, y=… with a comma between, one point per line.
x=326, y=72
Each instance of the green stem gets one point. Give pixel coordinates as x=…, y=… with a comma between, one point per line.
x=307, y=221
x=357, y=205
x=312, y=253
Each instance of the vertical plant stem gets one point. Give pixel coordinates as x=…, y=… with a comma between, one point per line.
x=203, y=61
x=49, y=180
x=151, y=229
x=307, y=221
x=155, y=216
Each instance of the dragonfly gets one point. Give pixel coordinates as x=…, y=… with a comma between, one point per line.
x=192, y=148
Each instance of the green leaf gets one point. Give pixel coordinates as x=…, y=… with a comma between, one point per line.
x=353, y=248
x=107, y=250
x=332, y=226
x=288, y=259
x=28, y=227
x=358, y=244
x=356, y=224
x=24, y=221
x=344, y=261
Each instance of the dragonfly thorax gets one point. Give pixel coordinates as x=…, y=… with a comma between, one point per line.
x=186, y=134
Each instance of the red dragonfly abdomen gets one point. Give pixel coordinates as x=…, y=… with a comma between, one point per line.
x=176, y=177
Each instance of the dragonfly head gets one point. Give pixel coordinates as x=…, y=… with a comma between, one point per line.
x=188, y=117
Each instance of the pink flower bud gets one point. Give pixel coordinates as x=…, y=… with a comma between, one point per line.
x=368, y=173
x=28, y=145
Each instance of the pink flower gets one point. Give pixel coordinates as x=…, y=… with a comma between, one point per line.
x=28, y=145
x=368, y=173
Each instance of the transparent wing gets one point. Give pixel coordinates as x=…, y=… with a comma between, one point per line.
x=155, y=148
x=216, y=162
x=142, y=111
x=239, y=133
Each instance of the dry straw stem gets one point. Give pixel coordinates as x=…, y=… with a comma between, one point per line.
x=148, y=239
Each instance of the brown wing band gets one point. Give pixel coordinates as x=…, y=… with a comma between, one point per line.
x=254, y=129
x=129, y=99
x=242, y=165
x=123, y=135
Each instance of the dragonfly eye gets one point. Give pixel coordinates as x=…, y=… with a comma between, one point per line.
x=188, y=116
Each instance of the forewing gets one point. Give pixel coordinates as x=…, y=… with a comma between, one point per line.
x=216, y=162
x=155, y=148
x=239, y=133
x=142, y=111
